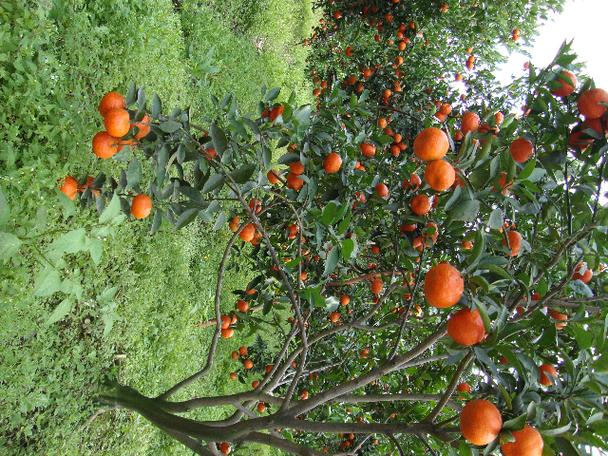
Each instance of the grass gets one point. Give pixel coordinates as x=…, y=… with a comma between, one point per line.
x=56, y=60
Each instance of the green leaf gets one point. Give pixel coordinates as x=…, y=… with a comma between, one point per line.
x=242, y=174
x=111, y=210
x=556, y=431
x=5, y=210
x=218, y=137
x=525, y=173
x=332, y=261
x=215, y=181
x=170, y=126
x=348, y=249
x=95, y=248
x=496, y=219
x=272, y=94
x=71, y=242
x=9, y=245
x=61, y=311
x=517, y=423
x=329, y=212
x=465, y=211
x=156, y=106
x=134, y=173
x=48, y=282
x=186, y=217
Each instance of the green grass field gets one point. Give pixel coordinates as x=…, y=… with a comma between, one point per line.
x=57, y=58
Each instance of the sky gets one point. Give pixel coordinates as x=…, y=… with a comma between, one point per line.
x=582, y=20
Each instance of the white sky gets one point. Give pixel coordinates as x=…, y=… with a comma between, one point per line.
x=583, y=20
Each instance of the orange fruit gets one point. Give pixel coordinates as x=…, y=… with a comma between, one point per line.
x=111, y=100
x=304, y=395
x=227, y=333
x=445, y=109
x=514, y=242
x=248, y=232
x=273, y=177
x=233, y=376
x=465, y=327
x=248, y=364
x=367, y=149
x=69, y=187
x=586, y=276
x=276, y=112
x=261, y=407
x=141, y=206
x=224, y=448
x=440, y=175
x=480, y=422
x=502, y=185
x=234, y=355
x=431, y=144
x=464, y=388
x=528, y=442
x=344, y=300
x=499, y=118
x=143, y=127
x=294, y=182
x=332, y=163
x=255, y=384
x=234, y=223
x=382, y=123
x=420, y=204
x=561, y=317
x=467, y=244
x=382, y=190
x=443, y=285
x=226, y=321
x=376, y=286
x=470, y=122
x=364, y=353
x=334, y=317
x=589, y=103
x=242, y=306
x=243, y=351
x=521, y=150
x=546, y=374
x=104, y=145
x=117, y=122
x=567, y=84
x=296, y=168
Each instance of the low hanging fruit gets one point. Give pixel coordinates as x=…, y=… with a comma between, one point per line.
x=443, y=285
x=480, y=422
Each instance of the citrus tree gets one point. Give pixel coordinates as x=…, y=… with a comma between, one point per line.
x=443, y=296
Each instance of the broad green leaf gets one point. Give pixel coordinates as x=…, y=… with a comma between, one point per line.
x=71, y=242
x=496, y=219
x=556, y=431
x=349, y=247
x=332, y=261
x=186, y=217
x=215, y=181
x=465, y=211
x=170, y=126
x=9, y=245
x=48, y=282
x=242, y=174
x=134, y=173
x=5, y=210
x=156, y=106
x=218, y=137
x=61, y=311
x=111, y=210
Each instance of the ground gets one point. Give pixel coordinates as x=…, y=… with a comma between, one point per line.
x=56, y=61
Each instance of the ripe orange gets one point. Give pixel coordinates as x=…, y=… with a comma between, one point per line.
x=304, y=395
x=224, y=447
x=276, y=112
x=480, y=422
x=376, y=286
x=499, y=118
x=234, y=223
x=465, y=327
x=470, y=122
x=296, y=168
x=367, y=149
x=521, y=150
x=234, y=355
x=117, y=122
x=464, y=388
x=227, y=333
x=589, y=103
x=111, y=100
x=502, y=185
x=332, y=163
x=382, y=190
x=248, y=364
x=567, y=84
x=382, y=123
x=363, y=354
x=104, y=145
x=141, y=206
x=443, y=285
x=344, y=300
x=514, y=242
x=243, y=351
x=440, y=175
x=467, y=244
x=69, y=187
x=248, y=232
x=242, y=306
x=420, y=204
x=431, y=144
x=273, y=177
x=334, y=317
x=226, y=321
x=255, y=384
x=294, y=182
x=586, y=276
x=528, y=442
x=143, y=127
x=233, y=376
x=261, y=407
x=546, y=374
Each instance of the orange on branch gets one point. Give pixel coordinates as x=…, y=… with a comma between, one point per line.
x=431, y=144
x=465, y=327
x=480, y=422
x=443, y=285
